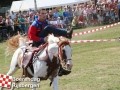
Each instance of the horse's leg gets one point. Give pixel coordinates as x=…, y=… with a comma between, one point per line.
x=34, y=82
x=55, y=83
x=14, y=64
x=34, y=76
x=14, y=61
x=13, y=67
x=36, y=67
x=12, y=70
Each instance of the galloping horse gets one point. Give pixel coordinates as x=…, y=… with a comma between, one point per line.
x=47, y=62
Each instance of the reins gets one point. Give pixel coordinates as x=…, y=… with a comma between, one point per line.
x=61, y=44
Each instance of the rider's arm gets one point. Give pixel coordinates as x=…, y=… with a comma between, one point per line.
x=32, y=34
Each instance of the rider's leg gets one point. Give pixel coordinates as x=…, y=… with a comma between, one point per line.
x=57, y=31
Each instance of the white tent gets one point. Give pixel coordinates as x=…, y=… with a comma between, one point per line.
x=55, y=3
x=16, y=6
x=29, y=4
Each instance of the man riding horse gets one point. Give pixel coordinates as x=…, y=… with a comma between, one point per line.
x=39, y=30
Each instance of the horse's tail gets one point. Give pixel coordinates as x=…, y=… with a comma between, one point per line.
x=12, y=44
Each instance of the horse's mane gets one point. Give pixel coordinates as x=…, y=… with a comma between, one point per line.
x=53, y=39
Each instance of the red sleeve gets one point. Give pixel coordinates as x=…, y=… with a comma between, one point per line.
x=32, y=33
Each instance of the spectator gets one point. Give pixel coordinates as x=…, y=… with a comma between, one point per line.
x=16, y=26
x=81, y=20
x=75, y=22
x=95, y=18
x=55, y=14
x=59, y=22
x=3, y=28
x=116, y=17
x=100, y=18
x=13, y=15
x=50, y=15
x=10, y=26
x=21, y=20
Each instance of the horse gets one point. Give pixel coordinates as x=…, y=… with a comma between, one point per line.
x=46, y=63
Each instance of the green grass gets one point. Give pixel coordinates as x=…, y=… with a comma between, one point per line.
x=96, y=65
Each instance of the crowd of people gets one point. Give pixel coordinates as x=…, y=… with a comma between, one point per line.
x=99, y=14
x=78, y=15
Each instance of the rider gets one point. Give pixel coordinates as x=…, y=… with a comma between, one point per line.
x=40, y=28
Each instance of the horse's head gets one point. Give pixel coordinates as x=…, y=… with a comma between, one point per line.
x=64, y=50
x=65, y=54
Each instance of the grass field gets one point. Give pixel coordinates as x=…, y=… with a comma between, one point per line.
x=96, y=65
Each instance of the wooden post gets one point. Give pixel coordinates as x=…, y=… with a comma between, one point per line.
x=35, y=3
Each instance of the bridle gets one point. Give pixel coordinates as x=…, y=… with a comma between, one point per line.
x=61, y=54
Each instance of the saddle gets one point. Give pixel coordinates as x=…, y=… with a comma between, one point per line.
x=29, y=53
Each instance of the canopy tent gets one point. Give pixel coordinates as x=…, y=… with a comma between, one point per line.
x=55, y=3
x=16, y=6
x=29, y=4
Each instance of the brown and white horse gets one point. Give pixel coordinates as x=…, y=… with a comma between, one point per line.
x=47, y=62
